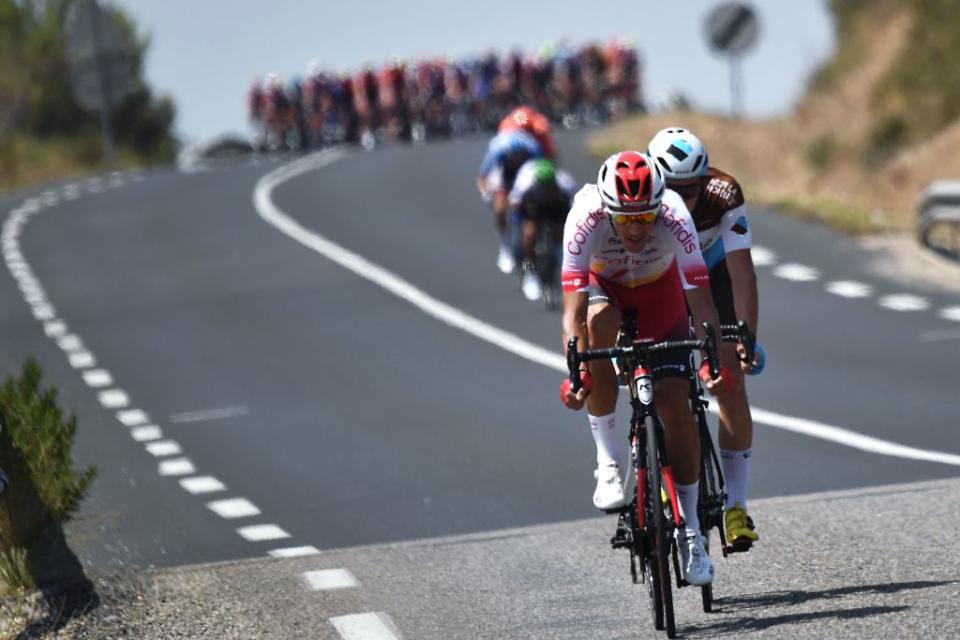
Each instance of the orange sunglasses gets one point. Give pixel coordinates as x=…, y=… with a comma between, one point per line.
x=640, y=216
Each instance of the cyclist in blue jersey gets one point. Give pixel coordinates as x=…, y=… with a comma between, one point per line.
x=506, y=153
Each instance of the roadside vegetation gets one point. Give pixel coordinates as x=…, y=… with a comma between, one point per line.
x=44, y=133
x=44, y=491
x=879, y=122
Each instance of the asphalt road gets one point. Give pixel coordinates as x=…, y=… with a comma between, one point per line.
x=342, y=415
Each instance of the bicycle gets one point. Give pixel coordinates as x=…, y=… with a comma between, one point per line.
x=646, y=525
x=546, y=261
x=712, y=496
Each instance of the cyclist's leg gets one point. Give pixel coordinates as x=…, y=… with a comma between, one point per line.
x=530, y=228
x=672, y=397
x=736, y=424
x=603, y=322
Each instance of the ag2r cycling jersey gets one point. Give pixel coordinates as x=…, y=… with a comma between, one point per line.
x=721, y=217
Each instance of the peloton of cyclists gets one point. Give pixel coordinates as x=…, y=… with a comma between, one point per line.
x=716, y=203
x=629, y=242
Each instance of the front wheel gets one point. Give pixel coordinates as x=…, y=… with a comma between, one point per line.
x=659, y=534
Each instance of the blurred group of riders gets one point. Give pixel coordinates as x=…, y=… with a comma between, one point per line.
x=414, y=101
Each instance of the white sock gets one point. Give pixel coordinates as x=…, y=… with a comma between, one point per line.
x=736, y=469
x=604, y=430
x=688, y=495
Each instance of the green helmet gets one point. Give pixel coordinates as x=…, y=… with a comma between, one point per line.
x=544, y=171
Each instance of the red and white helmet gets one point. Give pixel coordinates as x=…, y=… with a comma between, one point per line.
x=630, y=182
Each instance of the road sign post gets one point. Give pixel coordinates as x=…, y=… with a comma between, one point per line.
x=732, y=29
x=101, y=53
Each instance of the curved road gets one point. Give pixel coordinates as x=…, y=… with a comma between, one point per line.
x=245, y=395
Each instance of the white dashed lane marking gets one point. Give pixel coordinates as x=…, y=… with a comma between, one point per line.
x=202, y=484
x=55, y=328
x=113, y=399
x=950, y=313
x=904, y=302
x=365, y=626
x=293, y=552
x=70, y=343
x=176, y=467
x=97, y=378
x=234, y=508
x=849, y=289
x=147, y=433
x=163, y=448
x=82, y=360
x=44, y=312
x=133, y=417
x=208, y=414
x=330, y=579
x=796, y=272
x=762, y=257
x=260, y=532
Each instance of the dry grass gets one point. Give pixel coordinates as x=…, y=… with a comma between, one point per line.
x=816, y=160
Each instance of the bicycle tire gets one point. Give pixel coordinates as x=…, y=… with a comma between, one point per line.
x=706, y=591
x=661, y=544
x=644, y=543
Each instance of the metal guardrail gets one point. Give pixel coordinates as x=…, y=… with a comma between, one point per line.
x=938, y=220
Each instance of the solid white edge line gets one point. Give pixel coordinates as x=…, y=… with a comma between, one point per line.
x=380, y=276
x=365, y=626
x=362, y=267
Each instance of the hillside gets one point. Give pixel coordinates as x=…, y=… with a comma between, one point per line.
x=877, y=124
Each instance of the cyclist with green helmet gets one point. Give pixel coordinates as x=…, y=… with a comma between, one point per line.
x=541, y=195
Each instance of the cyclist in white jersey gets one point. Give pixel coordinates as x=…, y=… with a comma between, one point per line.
x=630, y=243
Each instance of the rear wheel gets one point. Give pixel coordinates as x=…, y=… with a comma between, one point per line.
x=706, y=591
x=661, y=543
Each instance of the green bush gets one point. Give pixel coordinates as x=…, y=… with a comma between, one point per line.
x=821, y=152
x=35, y=451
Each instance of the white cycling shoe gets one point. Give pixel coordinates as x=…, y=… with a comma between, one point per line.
x=530, y=285
x=695, y=565
x=609, y=493
x=505, y=260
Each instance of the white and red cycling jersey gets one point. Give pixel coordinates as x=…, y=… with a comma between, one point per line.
x=590, y=245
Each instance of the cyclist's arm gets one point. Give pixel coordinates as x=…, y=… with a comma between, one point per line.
x=737, y=240
x=743, y=280
x=574, y=320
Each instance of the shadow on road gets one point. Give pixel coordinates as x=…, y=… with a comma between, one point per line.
x=775, y=598
x=733, y=623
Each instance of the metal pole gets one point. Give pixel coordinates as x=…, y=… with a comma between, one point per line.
x=103, y=79
x=736, y=87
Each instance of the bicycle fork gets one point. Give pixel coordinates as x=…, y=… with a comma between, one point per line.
x=643, y=383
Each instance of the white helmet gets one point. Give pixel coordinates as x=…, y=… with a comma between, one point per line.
x=679, y=153
x=630, y=181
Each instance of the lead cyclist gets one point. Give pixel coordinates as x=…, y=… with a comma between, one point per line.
x=629, y=243
x=717, y=205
